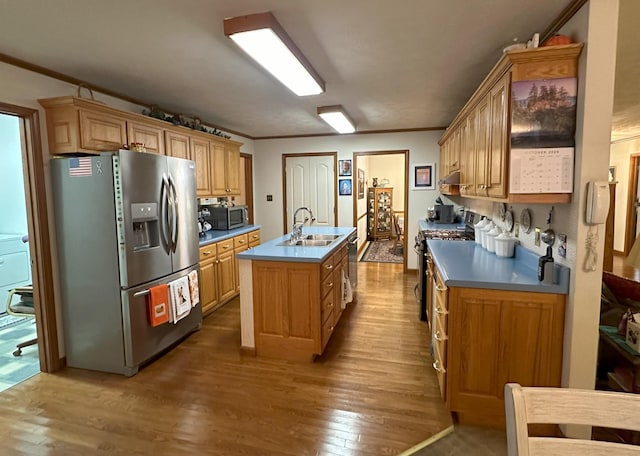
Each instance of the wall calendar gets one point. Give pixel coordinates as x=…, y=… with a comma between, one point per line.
x=542, y=170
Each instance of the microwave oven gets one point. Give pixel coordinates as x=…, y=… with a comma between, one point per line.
x=228, y=218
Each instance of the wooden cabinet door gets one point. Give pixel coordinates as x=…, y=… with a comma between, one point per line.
x=200, y=152
x=150, y=135
x=497, y=156
x=208, y=288
x=100, y=131
x=468, y=156
x=232, y=169
x=497, y=337
x=226, y=275
x=483, y=129
x=177, y=144
x=218, y=180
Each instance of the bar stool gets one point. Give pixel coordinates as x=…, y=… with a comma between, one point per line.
x=22, y=308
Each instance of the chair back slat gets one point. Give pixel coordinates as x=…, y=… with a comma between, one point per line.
x=538, y=405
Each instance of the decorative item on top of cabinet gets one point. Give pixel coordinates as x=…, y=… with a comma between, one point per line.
x=481, y=131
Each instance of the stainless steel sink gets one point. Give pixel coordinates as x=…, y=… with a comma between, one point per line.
x=322, y=237
x=307, y=243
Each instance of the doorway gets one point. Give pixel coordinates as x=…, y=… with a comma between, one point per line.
x=632, y=226
x=38, y=235
x=390, y=170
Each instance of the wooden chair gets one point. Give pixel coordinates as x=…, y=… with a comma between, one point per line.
x=526, y=405
x=399, y=234
x=23, y=308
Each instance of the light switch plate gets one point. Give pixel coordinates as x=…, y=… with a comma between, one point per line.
x=562, y=248
x=537, y=236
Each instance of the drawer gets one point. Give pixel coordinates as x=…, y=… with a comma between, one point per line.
x=328, y=284
x=207, y=252
x=14, y=268
x=326, y=267
x=240, y=241
x=328, y=304
x=327, y=330
x=440, y=366
x=339, y=254
x=225, y=246
x=254, y=238
x=441, y=317
x=440, y=337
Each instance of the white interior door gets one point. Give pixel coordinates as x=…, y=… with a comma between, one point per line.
x=310, y=182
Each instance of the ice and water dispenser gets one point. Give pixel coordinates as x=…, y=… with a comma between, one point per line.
x=146, y=234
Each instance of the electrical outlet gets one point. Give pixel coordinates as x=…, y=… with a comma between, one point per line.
x=537, y=236
x=269, y=197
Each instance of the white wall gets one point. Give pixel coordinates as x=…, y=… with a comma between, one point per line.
x=13, y=208
x=422, y=146
x=620, y=156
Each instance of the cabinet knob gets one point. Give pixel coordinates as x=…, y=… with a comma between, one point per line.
x=439, y=337
x=330, y=284
x=440, y=311
x=329, y=267
x=206, y=252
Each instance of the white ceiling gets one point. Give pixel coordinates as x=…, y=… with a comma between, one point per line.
x=392, y=64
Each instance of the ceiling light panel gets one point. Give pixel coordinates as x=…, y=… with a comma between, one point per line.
x=337, y=117
x=262, y=37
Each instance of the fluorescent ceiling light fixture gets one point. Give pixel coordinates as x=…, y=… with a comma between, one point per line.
x=337, y=117
x=264, y=39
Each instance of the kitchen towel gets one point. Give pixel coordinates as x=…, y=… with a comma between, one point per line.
x=158, y=305
x=180, y=299
x=194, y=292
x=347, y=292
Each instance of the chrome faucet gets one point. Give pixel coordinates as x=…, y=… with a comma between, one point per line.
x=296, y=233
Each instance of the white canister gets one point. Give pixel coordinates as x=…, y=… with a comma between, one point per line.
x=505, y=245
x=477, y=227
x=483, y=233
x=491, y=239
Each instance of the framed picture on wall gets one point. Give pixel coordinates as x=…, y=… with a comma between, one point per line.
x=344, y=167
x=423, y=177
x=344, y=186
x=360, y=183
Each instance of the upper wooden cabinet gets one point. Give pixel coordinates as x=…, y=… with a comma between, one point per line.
x=477, y=143
x=152, y=136
x=225, y=167
x=81, y=125
x=177, y=144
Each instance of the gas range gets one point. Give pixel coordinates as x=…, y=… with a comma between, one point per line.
x=448, y=235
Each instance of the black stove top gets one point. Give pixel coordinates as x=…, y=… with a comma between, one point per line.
x=448, y=235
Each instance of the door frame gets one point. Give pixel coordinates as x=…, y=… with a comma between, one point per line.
x=40, y=245
x=632, y=191
x=333, y=155
x=248, y=184
x=354, y=168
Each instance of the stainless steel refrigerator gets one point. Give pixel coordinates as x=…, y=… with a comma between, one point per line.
x=125, y=222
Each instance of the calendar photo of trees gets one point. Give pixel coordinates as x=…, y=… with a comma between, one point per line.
x=543, y=113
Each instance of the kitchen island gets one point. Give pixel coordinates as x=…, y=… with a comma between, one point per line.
x=291, y=296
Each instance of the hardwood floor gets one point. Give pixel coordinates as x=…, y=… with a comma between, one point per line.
x=373, y=392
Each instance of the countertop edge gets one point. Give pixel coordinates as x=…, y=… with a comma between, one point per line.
x=212, y=236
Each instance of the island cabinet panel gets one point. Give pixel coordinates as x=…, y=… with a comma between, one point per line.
x=496, y=337
x=286, y=309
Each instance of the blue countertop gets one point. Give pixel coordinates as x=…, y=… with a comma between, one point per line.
x=467, y=264
x=220, y=235
x=270, y=251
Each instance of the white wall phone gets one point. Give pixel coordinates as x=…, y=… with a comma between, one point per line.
x=597, y=206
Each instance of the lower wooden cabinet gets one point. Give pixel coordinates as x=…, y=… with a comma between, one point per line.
x=296, y=306
x=219, y=274
x=492, y=337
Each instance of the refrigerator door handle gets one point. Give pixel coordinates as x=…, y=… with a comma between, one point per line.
x=164, y=223
x=176, y=214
